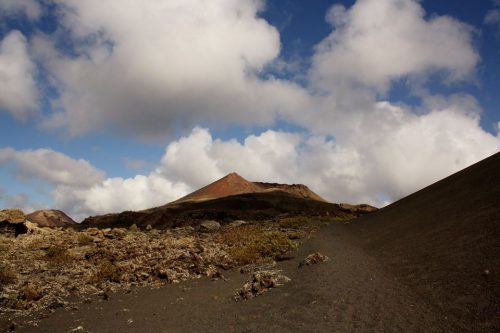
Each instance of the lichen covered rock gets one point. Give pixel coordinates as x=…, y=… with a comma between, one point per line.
x=261, y=282
x=313, y=259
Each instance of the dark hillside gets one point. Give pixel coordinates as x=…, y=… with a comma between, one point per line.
x=444, y=242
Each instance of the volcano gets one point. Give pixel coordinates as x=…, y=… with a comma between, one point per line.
x=232, y=198
x=234, y=184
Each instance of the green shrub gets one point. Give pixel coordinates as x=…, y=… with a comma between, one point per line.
x=296, y=222
x=253, y=244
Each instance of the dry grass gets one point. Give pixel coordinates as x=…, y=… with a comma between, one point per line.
x=22, y=299
x=57, y=254
x=106, y=272
x=7, y=276
x=84, y=240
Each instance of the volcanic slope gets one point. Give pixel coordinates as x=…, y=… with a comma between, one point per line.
x=427, y=263
x=227, y=199
x=444, y=243
x=51, y=218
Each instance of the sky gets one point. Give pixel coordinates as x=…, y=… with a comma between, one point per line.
x=108, y=106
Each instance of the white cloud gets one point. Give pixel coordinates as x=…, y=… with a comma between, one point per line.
x=118, y=194
x=391, y=154
x=18, y=90
x=493, y=16
x=377, y=41
x=30, y=8
x=149, y=67
x=20, y=201
x=52, y=167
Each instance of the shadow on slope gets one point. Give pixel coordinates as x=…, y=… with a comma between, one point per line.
x=249, y=206
x=444, y=242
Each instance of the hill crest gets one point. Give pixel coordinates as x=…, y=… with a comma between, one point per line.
x=234, y=184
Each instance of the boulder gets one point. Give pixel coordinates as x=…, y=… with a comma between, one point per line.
x=313, y=259
x=209, y=226
x=12, y=222
x=261, y=282
x=12, y=216
x=237, y=223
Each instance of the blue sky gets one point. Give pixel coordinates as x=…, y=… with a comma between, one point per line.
x=107, y=106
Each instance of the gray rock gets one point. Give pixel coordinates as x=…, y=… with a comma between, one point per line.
x=313, y=259
x=209, y=226
x=261, y=282
x=237, y=223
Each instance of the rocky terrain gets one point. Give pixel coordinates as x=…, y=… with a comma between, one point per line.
x=49, y=268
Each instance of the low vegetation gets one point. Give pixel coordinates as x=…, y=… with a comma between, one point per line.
x=7, y=276
x=254, y=244
x=66, y=262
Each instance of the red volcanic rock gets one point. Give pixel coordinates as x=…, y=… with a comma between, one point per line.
x=299, y=190
x=363, y=208
x=234, y=184
x=50, y=218
x=231, y=184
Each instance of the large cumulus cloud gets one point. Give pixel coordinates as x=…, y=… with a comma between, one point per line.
x=373, y=169
x=152, y=68
x=18, y=90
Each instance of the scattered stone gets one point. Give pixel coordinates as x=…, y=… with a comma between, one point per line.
x=261, y=282
x=253, y=268
x=104, y=295
x=313, y=259
x=237, y=223
x=149, y=227
x=99, y=262
x=209, y=226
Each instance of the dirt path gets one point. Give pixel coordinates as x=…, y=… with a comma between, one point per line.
x=349, y=293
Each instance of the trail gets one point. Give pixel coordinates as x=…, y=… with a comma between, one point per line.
x=348, y=293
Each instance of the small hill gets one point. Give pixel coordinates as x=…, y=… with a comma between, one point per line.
x=51, y=218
